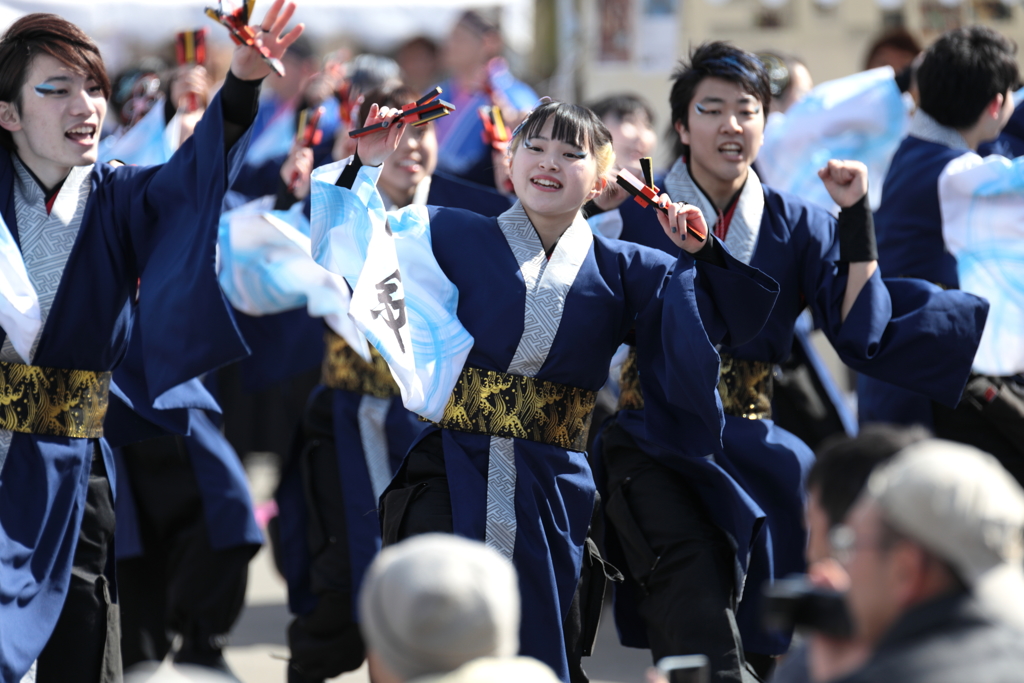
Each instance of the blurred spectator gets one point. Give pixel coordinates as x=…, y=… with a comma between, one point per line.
x=790, y=79
x=896, y=48
x=630, y=120
x=435, y=602
x=274, y=129
x=419, y=59
x=478, y=77
x=834, y=483
x=933, y=549
x=366, y=72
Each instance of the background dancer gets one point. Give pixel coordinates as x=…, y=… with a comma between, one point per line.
x=68, y=219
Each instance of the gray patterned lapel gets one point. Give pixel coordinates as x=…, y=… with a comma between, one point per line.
x=547, y=285
x=47, y=239
x=46, y=242
x=745, y=227
x=547, y=282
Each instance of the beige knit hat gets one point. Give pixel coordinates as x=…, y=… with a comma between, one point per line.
x=434, y=602
x=961, y=504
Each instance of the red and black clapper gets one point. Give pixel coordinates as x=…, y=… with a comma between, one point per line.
x=646, y=193
x=418, y=113
x=236, y=20
x=190, y=47
x=495, y=134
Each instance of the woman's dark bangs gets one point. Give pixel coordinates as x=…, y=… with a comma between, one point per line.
x=569, y=125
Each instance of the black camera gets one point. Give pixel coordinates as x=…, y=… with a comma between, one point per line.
x=792, y=602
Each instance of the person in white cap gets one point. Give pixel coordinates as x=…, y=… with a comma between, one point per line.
x=433, y=603
x=934, y=549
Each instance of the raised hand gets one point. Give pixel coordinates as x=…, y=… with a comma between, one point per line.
x=846, y=181
x=612, y=197
x=247, y=64
x=296, y=171
x=681, y=214
x=190, y=86
x=377, y=146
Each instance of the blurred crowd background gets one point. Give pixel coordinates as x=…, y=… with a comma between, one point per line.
x=576, y=50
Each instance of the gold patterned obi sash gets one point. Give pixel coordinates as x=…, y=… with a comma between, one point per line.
x=344, y=369
x=53, y=401
x=514, y=406
x=745, y=386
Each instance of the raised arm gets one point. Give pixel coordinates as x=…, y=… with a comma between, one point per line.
x=847, y=184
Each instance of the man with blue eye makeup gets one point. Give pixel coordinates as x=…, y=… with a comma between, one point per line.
x=698, y=537
x=76, y=239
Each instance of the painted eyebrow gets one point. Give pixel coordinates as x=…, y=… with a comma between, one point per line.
x=713, y=100
x=58, y=79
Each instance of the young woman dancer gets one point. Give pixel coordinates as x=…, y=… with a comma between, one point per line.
x=547, y=304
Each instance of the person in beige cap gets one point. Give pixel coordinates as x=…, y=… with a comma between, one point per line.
x=433, y=603
x=934, y=550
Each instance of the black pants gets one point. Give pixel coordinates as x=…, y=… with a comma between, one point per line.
x=325, y=642
x=975, y=423
x=418, y=502
x=265, y=420
x=84, y=645
x=181, y=584
x=680, y=561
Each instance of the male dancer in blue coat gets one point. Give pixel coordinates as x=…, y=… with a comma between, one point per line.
x=79, y=236
x=966, y=84
x=699, y=536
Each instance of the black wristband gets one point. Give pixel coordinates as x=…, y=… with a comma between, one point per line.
x=856, y=232
x=348, y=174
x=240, y=100
x=591, y=209
x=709, y=253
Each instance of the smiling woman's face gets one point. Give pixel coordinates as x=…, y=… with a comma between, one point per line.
x=58, y=124
x=552, y=177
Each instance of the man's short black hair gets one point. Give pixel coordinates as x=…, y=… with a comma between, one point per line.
x=716, y=59
x=621, y=106
x=961, y=73
x=844, y=464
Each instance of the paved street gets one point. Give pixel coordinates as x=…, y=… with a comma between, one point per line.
x=258, y=651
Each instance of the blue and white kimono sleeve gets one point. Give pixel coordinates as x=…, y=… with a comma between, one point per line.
x=265, y=267
x=402, y=300
x=982, y=203
x=862, y=117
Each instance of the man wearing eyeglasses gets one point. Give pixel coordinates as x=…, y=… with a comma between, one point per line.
x=934, y=553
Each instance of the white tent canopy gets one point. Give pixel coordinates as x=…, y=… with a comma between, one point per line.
x=379, y=25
